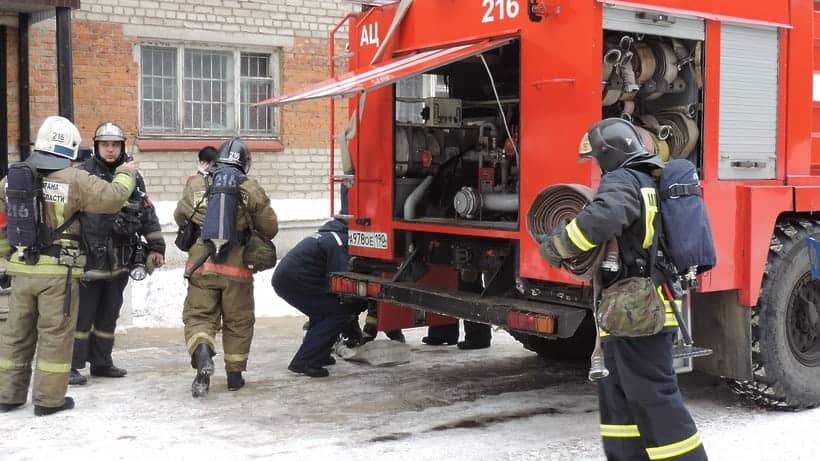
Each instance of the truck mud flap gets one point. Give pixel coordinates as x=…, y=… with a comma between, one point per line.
x=553, y=320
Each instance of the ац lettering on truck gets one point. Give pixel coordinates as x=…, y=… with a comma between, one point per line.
x=461, y=113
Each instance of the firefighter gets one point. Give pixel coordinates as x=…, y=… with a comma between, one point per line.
x=220, y=285
x=301, y=279
x=44, y=270
x=114, y=243
x=642, y=413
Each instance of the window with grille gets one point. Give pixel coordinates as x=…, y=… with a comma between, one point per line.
x=206, y=92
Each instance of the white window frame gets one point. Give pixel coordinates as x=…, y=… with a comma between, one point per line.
x=180, y=132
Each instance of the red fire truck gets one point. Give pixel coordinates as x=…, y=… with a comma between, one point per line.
x=461, y=112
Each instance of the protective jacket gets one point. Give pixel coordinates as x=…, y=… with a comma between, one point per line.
x=308, y=264
x=642, y=413
x=254, y=211
x=111, y=239
x=66, y=192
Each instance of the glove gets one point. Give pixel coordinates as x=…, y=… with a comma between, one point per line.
x=155, y=261
x=550, y=254
x=5, y=280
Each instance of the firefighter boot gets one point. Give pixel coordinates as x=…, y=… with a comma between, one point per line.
x=45, y=411
x=203, y=361
x=76, y=379
x=396, y=335
x=7, y=407
x=108, y=372
x=235, y=380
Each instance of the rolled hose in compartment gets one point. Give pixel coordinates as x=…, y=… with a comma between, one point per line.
x=555, y=204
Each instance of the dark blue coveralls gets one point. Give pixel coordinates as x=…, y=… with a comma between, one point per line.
x=301, y=279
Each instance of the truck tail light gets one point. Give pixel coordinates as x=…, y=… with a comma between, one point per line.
x=528, y=321
x=342, y=285
x=347, y=286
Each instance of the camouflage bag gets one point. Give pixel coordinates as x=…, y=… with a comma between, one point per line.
x=631, y=307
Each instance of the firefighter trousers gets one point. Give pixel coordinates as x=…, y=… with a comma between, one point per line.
x=100, y=304
x=327, y=317
x=642, y=413
x=212, y=299
x=37, y=320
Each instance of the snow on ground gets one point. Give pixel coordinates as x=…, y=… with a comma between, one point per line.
x=157, y=301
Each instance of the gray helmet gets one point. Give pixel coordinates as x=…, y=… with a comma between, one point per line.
x=235, y=152
x=109, y=131
x=614, y=143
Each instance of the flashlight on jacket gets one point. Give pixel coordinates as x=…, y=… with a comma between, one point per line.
x=138, y=271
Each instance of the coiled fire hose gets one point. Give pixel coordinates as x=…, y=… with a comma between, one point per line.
x=553, y=206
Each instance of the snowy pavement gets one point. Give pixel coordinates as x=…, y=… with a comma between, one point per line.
x=501, y=403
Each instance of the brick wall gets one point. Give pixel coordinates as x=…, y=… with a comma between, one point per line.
x=105, y=39
x=12, y=85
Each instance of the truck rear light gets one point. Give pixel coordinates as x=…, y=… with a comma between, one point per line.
x=342, y=285
x=361, y=288
x=374, y=289
x=527, y=321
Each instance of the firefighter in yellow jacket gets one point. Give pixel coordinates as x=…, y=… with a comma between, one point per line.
x=226, y=206
x=40, y=236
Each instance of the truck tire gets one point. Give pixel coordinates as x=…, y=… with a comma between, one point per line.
x=577, y=347
x=786, y=324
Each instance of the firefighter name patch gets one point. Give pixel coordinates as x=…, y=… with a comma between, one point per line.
x=377, y=240
x=55, y=192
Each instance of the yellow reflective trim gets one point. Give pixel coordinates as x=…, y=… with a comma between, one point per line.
x=81, y=335
x=235, y=357
x=6, y=364
x=578, y=238
x=371, y=320
x=192, y=341
x=51, y=367
x=675, y=449
x=102, y=334
x=41, y=268
x=650, y=201
x=126, y=180
x=618, y=430
x=154, y=236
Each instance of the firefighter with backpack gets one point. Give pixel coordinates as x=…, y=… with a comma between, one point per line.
x=229, y=214
x=40, y=200
x=642, y=412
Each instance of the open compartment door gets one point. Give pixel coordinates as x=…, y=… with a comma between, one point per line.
x=386, y=73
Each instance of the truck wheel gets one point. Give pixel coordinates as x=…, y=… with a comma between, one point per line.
x=786, y=324
x=577, y=347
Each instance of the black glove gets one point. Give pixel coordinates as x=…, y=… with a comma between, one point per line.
x=550, y=254
x=5, y=280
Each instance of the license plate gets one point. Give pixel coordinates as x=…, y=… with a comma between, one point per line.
x=377, y=240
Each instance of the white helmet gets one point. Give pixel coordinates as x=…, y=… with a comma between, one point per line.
x=58, y=136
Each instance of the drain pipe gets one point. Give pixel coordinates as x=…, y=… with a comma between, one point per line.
x=414, y=198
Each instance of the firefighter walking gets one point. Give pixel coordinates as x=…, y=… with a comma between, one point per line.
x=642, y=412
x=39, y=234
x=114, y=243
x=220, y=283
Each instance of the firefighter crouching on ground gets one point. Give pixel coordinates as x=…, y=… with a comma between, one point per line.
x=642, y=413
x=301, y=279
x=114, y=247
x=220, y=286
x=44, y=272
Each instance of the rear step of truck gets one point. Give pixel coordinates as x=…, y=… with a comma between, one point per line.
x=534, y=317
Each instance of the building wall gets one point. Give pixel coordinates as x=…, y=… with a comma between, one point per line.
x=106, y=35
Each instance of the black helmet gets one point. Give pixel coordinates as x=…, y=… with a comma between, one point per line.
x=614, y=142
x=235, y=152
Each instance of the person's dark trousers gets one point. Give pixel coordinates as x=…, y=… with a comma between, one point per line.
x=327, y=318
x=100, y=303
x=643, y=416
